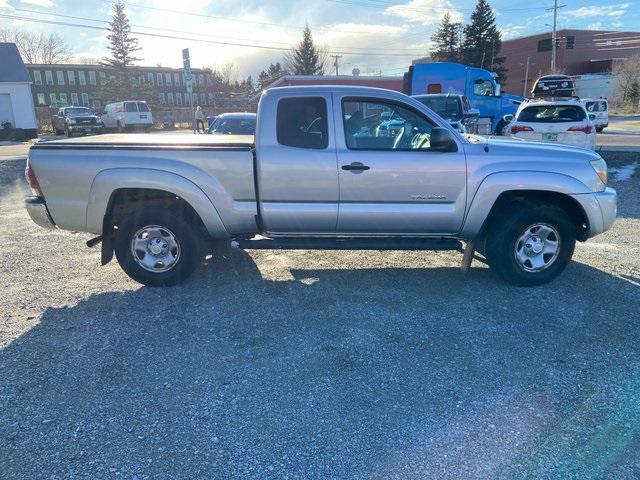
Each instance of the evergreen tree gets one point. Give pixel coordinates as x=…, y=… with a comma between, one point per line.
x=446, y=41
x=306, y=59
x=482, y=41
x=122, y=44
x=274, y=72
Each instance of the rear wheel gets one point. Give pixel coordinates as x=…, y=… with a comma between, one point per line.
x=158, y=247
x=532, y=245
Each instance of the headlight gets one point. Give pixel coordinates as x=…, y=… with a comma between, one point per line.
x=600, y=166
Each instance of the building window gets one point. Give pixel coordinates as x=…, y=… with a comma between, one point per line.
x=162, y=99
x=60, y=77
x=82, y=77
x=103, y=78
x=571, y=42
x=150, y=78
x=159, y=79
x=179, y=98
x=74, y=98
x=203, y=98
x=41, y=98
x=52, y=98
x=85, y=99
x=48, y=77
x=63, y=99
x=95, y=104
x=211, y=99
x=141, y=79
x=176, y=79
x=170, y=98
x=92, y=77
x=167, y=79
x=37, y=77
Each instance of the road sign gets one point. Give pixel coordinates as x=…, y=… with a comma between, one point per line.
x=188, y=77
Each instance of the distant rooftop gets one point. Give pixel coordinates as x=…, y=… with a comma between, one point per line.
x=13, y=69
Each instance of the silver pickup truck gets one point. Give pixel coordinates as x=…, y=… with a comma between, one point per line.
x=318, y=176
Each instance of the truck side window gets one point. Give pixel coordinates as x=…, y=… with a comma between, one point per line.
x=302, y=122
x=483, y=88
x=384, y=125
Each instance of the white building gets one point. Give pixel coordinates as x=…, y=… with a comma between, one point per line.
x=16, y=102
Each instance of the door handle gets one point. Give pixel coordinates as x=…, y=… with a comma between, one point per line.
x=356, y=166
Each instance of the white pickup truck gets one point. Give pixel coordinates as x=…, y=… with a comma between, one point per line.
x=318, y=176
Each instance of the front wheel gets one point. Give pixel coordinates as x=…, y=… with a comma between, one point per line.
x=158, y=247
x=532, y=245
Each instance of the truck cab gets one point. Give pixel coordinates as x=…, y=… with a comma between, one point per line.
x=477, y=84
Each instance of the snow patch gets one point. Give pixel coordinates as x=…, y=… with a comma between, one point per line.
x=624, y=173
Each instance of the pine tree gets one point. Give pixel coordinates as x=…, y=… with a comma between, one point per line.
x=306, y=59
x=273, y=73
x=122, y=44
x=446, y=41
x=482, y=41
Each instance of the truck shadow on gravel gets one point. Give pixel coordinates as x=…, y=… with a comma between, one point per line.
x=389, y=373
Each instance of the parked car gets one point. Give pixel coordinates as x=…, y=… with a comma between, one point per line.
x=128, y=116
x=76, y=120
x=553, y=86
x=317, y=176
x=456, y=109
x=210, y=120
x=555, y=121
x=234, y=124
x=599, y=108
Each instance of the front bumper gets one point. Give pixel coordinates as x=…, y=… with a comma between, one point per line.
x=608, y=201
x=37, y=210
x=86, y=129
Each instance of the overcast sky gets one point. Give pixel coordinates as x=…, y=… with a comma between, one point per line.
x=376, y=36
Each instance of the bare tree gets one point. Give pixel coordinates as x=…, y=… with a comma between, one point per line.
x=627, y=75
x=229, y=72
x=38, y=48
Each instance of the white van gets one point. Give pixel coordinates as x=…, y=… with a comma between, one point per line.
x=599, y=108
x=127, y=116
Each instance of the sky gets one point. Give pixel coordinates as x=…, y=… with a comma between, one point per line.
x=378, y=37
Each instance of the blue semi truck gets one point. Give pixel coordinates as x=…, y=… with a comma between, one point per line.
x=477, y=84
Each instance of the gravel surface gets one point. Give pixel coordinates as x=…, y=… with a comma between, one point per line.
x=294, y=364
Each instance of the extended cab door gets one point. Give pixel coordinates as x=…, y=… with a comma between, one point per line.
x=296, y=164
x=391, y=182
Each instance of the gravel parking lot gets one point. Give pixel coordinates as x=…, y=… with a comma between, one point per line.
x=295, y=364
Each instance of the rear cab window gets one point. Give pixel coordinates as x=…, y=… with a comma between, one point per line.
x=142, y=107
x=552, y=114
x=130, y=107
x=302, y=122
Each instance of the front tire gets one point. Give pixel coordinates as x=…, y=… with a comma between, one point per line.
x=532, y=245
x=158, y=247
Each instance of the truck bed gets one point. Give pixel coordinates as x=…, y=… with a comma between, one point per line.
x=74, y=174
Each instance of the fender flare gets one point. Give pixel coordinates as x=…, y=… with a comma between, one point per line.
x=498, y=183
x=110, y=180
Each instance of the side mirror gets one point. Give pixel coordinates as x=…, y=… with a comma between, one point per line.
x=442, y=141
x=508, y=118
x=472, y=113
x=498, y=90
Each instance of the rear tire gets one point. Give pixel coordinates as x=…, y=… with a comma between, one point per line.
x=531, y=245
x=177, y=242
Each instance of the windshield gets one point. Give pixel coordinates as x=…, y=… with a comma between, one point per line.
x=447, y=107
x=234, y=126
x=74, y=112
x=552, y=113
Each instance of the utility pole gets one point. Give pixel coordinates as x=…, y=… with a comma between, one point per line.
x=335, y=61
x=526, y=78
x=554, y=35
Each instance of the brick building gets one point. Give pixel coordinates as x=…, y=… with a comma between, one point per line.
x=75, y=84
x=578, y=52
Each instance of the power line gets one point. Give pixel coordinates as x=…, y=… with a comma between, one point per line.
x=215, y=42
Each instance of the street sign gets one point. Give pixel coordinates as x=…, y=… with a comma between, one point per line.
x=188, y=77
